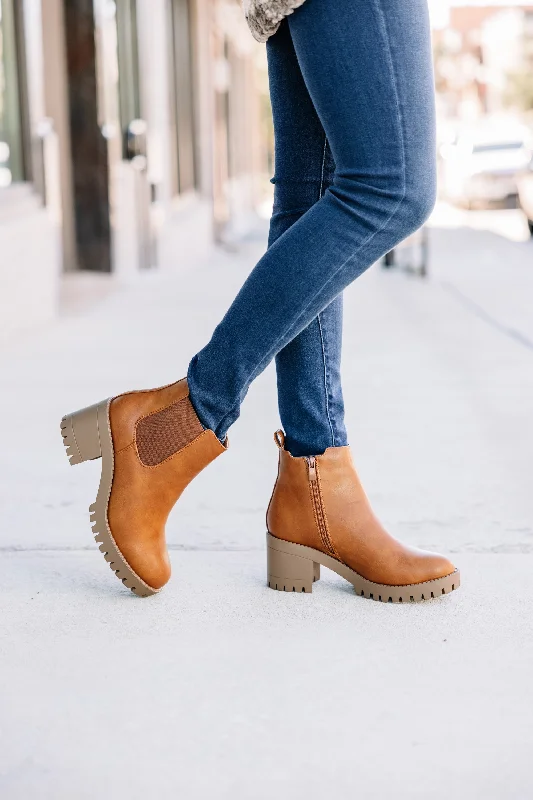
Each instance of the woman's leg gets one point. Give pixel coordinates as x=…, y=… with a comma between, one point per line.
x=368, y=69
x=308, y=368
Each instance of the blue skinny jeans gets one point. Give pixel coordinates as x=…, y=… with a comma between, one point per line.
x=355, y=173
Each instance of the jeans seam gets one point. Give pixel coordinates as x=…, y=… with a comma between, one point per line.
x=268, y=357
x=326, y=388
x=296, y=181
x=323, y=167
x=319, y=315
x=390, y=60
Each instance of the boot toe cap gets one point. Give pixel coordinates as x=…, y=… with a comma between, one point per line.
x=436, y=566
x=154, y=571
x=151, y=565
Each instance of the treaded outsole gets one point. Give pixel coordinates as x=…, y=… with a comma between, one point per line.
x=298, y=554
x=69, y=441
x=98, y=510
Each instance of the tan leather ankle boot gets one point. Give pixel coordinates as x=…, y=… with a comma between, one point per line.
x=319, y=514
x=152, y=445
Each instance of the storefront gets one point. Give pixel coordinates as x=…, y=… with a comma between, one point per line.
x=239, y=157
x=30, y=247
x=164, y=117
x=130, y=138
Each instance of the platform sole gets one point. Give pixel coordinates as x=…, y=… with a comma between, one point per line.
x=294, y=568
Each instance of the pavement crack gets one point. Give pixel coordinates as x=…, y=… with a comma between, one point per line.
x=518, y=548
x=481, y=313
x=90, y=548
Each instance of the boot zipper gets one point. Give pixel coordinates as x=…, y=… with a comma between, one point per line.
x=318, y=506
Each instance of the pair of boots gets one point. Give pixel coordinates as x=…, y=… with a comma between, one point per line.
x=152, y=445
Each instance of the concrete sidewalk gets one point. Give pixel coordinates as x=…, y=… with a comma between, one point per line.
x=219, y=687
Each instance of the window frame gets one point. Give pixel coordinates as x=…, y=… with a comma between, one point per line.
x=129, y=87
x=183, y=96
x=15, y=130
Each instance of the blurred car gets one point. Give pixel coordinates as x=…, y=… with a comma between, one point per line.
x=483, y=164
x=525, y=194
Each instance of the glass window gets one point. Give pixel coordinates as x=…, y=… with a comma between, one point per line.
x=118, y=66
x=183, y=95
x=11, y=146
x=128, y=59
x=107, y=68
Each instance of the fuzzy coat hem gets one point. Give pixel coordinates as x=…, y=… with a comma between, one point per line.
x=264, y=16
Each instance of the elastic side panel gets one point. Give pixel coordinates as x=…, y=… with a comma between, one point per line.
x=162, y=434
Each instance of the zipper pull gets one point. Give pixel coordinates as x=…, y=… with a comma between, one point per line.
x=311, y=461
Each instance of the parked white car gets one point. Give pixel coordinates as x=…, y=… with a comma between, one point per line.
x=525, y=194
x=482, y=165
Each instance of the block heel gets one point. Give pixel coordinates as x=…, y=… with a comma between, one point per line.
x=82, y=432
x=287, y=572
x=87, y=436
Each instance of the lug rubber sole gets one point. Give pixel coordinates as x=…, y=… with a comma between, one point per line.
x=87, y=436
x=294, y=568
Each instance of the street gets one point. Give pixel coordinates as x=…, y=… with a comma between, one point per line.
x=220, y=687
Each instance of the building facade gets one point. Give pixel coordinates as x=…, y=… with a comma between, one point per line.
x=132, y=136
x=30, y=206
x=483, y=58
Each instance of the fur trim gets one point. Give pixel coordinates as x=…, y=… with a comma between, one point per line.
x=264, y=16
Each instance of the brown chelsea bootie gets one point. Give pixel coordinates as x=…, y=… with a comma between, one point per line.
x=152, y=445
x=319, y=514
